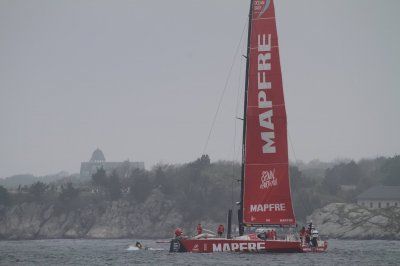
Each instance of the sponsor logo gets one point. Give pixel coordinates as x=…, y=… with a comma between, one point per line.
x=268, y=179
x=195, y=247
x=261, y=6
x=264, y=86
x=243, y=246
x=271, y=207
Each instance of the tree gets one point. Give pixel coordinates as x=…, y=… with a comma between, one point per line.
x=4, y=196
x=100, y=178
x=391, y=172
x=341, y=174
x=330, y=183
x=296, y=178
x=68, y=193
x=350, y=173
x=194, y=189
x=37, y=191
x=162, y=181
x=114, y=186
x=68, y=199
x=140, y=185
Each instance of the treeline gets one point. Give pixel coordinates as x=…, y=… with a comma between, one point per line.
x=342, y=182
x=198, y=189
x=201, y=190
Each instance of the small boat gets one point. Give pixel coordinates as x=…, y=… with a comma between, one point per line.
x=136, y=246
x=265, y=187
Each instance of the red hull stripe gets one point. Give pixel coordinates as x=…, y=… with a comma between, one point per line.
x=229, y=245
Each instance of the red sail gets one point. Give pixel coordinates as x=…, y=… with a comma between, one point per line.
x=266, y=194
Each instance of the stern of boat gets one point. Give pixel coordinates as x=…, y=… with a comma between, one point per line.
x=322, y=247
x=176, y=246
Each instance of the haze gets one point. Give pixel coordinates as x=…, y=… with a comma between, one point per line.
x=142, y=80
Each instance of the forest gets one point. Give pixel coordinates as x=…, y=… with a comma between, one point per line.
x=201, y=190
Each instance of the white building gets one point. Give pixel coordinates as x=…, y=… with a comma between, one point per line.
x=99, y=161
x=380, y=197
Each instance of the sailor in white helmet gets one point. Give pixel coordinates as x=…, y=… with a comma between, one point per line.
x=314, y=237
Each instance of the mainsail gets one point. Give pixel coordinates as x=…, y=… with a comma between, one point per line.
x=266, y=198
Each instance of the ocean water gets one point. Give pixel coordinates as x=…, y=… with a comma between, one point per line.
x=115, y=252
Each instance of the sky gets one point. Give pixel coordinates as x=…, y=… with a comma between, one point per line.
x=143, y=80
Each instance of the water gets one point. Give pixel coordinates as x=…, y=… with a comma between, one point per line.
x=114, y=252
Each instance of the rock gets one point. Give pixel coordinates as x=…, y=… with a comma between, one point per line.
x=33, y=221
x=157, y=217
x=350, y=221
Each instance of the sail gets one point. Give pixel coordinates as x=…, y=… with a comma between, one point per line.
x=266, y=189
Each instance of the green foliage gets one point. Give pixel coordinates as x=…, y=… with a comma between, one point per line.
x=100, y=178
x=4, y=196
x=201, y=190
x=304, y=196
x=330, y=184
x=140, y=185
x=110, y=186
x=114, y=186
x=68, y=193
x=68, y=199
x=305, y=202
x=162, y=181
x=391, y=172
x=38, y=191
x=298, y=180
x=194, y=189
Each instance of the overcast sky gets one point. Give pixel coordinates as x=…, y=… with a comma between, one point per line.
x=141, y=80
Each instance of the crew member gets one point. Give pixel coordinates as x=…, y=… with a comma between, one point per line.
x=308, y=236
x=273, y=234
x=302, y=234
x=220, y=230
x=310, y=227
x=262, y=235
x=269, y=235
x=199, y=229
x=138, y=245
x=178, y=233
x=314, y=237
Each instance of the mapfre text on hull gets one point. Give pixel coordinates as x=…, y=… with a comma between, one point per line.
x=232, y=245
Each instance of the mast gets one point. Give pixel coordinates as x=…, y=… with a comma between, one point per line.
x=240, y=211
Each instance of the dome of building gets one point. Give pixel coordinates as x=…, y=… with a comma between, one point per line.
x=98, y=156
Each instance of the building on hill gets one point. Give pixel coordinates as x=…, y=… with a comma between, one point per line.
x=380, y=197
x=99, y=161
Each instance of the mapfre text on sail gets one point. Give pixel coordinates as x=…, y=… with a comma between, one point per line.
x=264, y=84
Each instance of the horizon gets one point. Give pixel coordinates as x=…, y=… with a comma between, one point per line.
x=335, y=161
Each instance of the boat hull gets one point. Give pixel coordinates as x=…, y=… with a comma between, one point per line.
x=236, y=245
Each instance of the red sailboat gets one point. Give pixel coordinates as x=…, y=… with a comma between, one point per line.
x=265, y=189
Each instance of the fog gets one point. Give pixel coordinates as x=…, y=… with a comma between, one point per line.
x=142, y=80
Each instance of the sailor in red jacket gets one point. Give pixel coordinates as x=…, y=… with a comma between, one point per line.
x=273, y=234
x=178, y=233
x=269, y=234
x=199, y=229
x=220, y=230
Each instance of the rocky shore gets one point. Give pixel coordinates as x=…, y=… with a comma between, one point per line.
x=351, y=221
x=156, y=218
